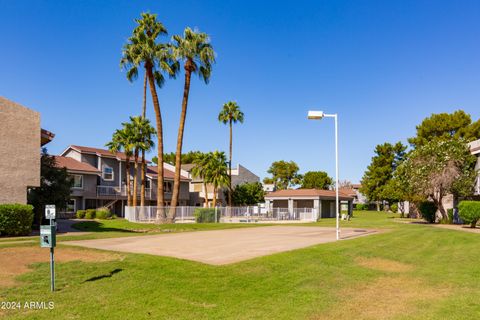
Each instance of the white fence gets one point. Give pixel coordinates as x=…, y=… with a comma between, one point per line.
x=226, y=214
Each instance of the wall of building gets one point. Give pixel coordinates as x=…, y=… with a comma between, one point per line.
x=20, y=150
x=244, y=175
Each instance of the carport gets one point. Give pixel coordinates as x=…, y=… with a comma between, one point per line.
x=322, y=201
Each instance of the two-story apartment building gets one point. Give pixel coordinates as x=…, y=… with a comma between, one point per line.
x=198, y=194
x=20, y=140
x=100, y=179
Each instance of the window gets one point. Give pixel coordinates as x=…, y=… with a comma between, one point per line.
x=77, y=181
x=71, y=205
x=107, y=173
x=147, y=184
x=167, y=186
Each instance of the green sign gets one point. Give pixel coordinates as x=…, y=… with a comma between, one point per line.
x=48, y=237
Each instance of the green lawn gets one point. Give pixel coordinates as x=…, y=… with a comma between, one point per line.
x=408, y=272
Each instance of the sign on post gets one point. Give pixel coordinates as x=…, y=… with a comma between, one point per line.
x=50, y=211
x=48, y=239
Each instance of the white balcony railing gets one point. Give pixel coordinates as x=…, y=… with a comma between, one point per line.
x=119, y=192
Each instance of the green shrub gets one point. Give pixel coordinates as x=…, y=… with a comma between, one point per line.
x=205, y=215
x=360, y=206
x=81, y=214
x=427, y=210
x=16, y=219
x=469, y=211
x=103, y=213
x=394, y=207
x=90, y=214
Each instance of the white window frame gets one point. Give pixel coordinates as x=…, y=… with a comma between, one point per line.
x=81, y=178
x=74, y=206
x=149, y=184
x=103, y=173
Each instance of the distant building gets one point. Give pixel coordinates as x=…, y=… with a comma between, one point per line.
x=20, y=140
x=100, y=180
x=322, y=201
x=268, y=187
x=198, y=194
x=354, y=191
x=475, y=150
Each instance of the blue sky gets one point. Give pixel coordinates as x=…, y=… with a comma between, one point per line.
x=381, y=65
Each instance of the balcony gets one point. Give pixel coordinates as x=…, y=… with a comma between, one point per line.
x=121, y=192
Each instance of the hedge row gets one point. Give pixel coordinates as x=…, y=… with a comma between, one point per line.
x=103, y=214
x=205, y=215
x=16, y=219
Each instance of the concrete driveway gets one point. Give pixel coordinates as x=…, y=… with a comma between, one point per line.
x=220, y=247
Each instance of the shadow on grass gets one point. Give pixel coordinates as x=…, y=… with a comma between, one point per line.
x=95, y=226
x=103, y=276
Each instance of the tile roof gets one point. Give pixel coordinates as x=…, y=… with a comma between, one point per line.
x=307, y=193
x=348, y=191
x=103, y=153
x=73, y=165
x=46, y=136
x=152, y=171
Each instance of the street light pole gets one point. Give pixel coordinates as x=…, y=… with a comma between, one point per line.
x=336, y=179
x=318, y=115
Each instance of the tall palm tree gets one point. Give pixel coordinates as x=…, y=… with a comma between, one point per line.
x=143, y=133
x=142, y=48
x=199, y=171
x=230, y=114
x=196, y=53
x=216, y=172
x=122, y=140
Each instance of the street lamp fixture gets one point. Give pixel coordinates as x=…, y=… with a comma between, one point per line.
x=319, y=115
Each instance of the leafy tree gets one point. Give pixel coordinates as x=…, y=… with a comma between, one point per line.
x=316, y=180
x=268, y=180
x=196, y=53
x=142, y=48
x=380, y=171
x=284, y=174
x=187, y=158
x=345, y=184
x=445, y=126
x=248, y=194
x=55, y=187
x=438, y=168
x=230, y=114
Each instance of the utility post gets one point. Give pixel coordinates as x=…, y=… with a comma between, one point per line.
x=48, y=239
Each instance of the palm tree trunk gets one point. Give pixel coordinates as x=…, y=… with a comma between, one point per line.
x=127, y=174
x=230, y=169
x=135, y=178
x=158, y=118
x=214, y=202
x=144, y=162
x=142, y=187
x=206, y=194
x=178, y=154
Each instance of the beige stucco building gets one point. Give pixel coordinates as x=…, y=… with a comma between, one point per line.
x=20, y=141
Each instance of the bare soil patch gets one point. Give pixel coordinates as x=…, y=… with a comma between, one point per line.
x=384, y=298
x=15, y=261
x=384, y=264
